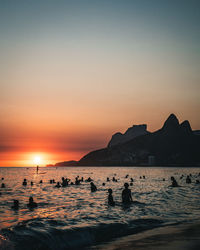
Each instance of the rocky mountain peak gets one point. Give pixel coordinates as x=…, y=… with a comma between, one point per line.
x=171, y=123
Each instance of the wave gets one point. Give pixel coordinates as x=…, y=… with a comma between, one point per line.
x=40, y=235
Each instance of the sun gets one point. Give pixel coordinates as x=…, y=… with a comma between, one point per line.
x=37, y=160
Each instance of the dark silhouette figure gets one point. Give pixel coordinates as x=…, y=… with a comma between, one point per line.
x=37, y=169
x=131, y=184
x=31, y=183
x=93, y=187
x=88, y=179
x=188, y=180
x=41, y=181
x=77, y=181
x=108, y=179
x=174, y=182
x=163, y=179
x=103, y=184
x=58, y=185
x=144, y=177
x=31, y=203
x=110, y=198
x=127, y=176
x=65, y=182
x=15, y=205
x=131, y=179
x=3, y=185
x=24, y=183
x=126, y=194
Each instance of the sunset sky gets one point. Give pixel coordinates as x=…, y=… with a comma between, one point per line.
x=72, y=73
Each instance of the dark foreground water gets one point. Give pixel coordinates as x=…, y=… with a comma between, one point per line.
x=73, y=217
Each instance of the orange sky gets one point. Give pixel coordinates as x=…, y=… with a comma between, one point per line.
x=72, y=74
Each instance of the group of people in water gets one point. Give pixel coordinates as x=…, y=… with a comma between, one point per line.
x=126, y=192
x=188, y=180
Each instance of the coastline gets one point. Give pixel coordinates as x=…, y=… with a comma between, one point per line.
x=174, y=237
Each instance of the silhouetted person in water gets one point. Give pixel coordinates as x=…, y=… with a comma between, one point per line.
x=77, y=181
x=103, y=184
x=110, y=198
x=31, y=203
x=58, y=185
x=127, y=176
x=143, y=176
x=93, y=187
x=131, y=179
x=174, y=182
x=64, y=182
x=37, y=169
x=41, y=181
x=188, y=180
x=108, y=179
x=31, y=183
x=15, y=205
x=3, y=185
x=88, y=179
x=131, y=184
x=126, y=194
x=24, y=183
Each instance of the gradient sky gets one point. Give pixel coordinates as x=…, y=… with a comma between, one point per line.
x=72, y=73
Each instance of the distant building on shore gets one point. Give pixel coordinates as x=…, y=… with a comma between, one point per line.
x=151, y=160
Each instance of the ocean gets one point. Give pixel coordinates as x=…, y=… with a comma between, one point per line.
x=74, y=218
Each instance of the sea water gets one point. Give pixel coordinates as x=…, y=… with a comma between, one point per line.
x=72, y=217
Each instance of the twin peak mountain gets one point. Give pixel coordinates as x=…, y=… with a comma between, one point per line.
x=175, y=144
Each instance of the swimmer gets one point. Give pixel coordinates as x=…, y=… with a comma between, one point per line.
x=24, y=183
x=174, y=182
x=3, y=185
x=188, y=180
x=93, y=187
x=126, y=194
x=31, y=203
x=110, y=198
x=58, y=185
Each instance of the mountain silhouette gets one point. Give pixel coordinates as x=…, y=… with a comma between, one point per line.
x=132, y=132
x=173, y=144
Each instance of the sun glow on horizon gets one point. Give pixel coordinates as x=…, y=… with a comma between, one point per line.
x=37, y=160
